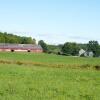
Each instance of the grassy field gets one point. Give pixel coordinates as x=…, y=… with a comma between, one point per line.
x=27, y=76
x=48, y=58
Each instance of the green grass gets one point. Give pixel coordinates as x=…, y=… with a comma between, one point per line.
x=47, y=58
x=30, y=82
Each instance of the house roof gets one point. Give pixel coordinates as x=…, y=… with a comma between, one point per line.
x=19, y=46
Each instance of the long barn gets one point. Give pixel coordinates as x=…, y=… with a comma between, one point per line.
x=20, y=47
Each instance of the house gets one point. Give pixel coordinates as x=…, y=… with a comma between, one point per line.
x=90, y=54
x=20, y=47
x=83, y=53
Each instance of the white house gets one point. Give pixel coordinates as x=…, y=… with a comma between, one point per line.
x=84, y=53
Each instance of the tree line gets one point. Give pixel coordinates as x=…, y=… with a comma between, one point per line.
x=71, y=48
x=10, y=38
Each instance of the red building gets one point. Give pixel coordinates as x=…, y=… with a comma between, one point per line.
x=20, y=47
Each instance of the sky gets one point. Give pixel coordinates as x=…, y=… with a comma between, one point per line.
x=54, y=21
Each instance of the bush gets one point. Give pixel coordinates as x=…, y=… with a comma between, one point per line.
x=49, y=52
x=82, y=55
x=65, y=54
x=97, y=67
x=19, y=63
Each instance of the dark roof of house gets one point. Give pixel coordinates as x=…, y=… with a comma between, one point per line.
x=19, y=46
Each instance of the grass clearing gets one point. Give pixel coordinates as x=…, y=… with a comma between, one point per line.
x=33, y=82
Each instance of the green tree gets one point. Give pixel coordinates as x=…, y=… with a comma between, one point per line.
x=26, y=40
x=34, y=41
x=70, y=48
x=94, y=47
x=2, y=39
x=43, y=45
x=53, y=49
x=10, y=38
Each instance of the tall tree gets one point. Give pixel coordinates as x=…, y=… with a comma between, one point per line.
x=43, y=45
x=70, y=48
x=94, y=47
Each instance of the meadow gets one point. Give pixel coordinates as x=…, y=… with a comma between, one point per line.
x=29, y=76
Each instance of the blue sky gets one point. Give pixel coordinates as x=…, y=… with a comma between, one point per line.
x=54, y=21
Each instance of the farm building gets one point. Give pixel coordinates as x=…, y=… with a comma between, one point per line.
x=20, y=47
x=84, y=53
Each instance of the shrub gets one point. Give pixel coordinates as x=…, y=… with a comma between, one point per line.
x=19, y=63
x=97, y=67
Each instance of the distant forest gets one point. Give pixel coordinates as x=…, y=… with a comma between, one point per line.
x=10, y=38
